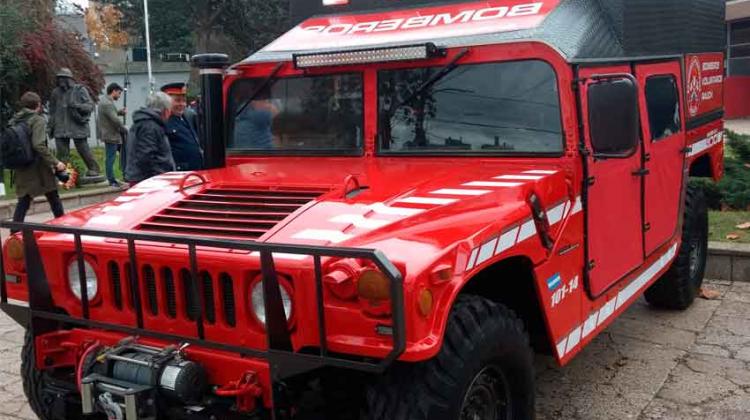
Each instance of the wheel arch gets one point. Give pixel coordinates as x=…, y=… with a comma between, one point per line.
x=702, y=167
x=511, y=282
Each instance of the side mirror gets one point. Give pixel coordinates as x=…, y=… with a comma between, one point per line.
x=613, y=116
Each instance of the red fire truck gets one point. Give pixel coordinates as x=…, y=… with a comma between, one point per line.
x=402, y=202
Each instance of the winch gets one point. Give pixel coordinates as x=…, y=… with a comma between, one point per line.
x=130, y=380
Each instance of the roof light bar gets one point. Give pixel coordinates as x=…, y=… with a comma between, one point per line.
x=335, y=2
x=371, y=55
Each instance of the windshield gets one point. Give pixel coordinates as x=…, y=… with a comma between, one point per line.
x=507, y=108
x=303, y=114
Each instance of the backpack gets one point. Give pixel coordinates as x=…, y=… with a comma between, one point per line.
x=15, y=147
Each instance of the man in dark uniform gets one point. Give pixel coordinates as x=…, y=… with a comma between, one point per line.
x=181, y=131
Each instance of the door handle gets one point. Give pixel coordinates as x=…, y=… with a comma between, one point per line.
x=641, y=172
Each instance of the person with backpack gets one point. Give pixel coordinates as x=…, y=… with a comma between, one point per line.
x=70, y=108
x=24, y=147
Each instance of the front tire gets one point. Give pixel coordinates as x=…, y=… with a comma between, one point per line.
x=484, y=371
x=50, y=397
x=678, y=287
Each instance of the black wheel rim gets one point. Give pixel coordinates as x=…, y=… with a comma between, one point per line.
x=488, y=396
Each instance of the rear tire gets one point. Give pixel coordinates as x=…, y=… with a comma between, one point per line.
x=678, y=287
x=484, y=371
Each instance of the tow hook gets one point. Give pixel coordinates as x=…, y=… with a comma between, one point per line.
x=541, y=220
x=246, y=390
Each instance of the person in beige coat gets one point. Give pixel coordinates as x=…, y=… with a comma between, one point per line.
x=111, y=129
x=39, y=177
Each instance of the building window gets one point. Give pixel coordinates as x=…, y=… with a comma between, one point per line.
x=739, y=48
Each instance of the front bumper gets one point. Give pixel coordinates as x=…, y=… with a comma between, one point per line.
x=280, y=359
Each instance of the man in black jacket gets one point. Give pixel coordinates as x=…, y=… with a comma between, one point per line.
x=148, y=152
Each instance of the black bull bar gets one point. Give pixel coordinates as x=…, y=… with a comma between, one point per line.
x=284, y=362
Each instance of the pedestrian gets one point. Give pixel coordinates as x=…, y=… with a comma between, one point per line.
x=148, y=148
x=111, y=129
x=183, y=138
x=70, y=108
x=38, y=178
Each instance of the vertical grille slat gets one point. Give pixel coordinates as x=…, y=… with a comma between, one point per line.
x=191, y=305
x=169, y=292
x=149, y=282
x=115, y=284
x=130, y=288
x=227, y=291
x=208, y=297
x=231, y=212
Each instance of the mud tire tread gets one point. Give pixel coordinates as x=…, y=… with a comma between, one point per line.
x=476, y=329
x=676, y=289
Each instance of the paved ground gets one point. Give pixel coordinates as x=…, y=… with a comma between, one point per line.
x=649, y=365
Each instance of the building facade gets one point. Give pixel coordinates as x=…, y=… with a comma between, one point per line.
x=737, y=86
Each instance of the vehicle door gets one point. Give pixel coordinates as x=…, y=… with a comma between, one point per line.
x=612, y=191
x=664, y=142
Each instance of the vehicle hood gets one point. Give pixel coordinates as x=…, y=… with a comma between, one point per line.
x=412, y=209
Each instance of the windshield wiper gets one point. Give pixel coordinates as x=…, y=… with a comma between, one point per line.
x=446, y=70
x=266, y=82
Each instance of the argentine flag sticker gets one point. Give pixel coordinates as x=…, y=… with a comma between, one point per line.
x=554, y=282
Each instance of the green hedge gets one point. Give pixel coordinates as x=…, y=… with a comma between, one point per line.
x=733, y=191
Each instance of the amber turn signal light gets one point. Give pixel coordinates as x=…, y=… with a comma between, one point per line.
x=15, y=249
x=425, y=302
x=373, y=285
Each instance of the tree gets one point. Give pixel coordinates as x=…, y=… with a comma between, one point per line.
x=199, y=25
x=12, y=66
x=103, y=23
x=34, y=47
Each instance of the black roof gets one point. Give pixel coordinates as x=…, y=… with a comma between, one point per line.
x=602, y=30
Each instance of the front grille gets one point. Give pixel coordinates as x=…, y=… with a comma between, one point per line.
x=160, y=287
x=231, y=212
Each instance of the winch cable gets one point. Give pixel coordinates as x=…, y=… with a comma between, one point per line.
x=79, y=369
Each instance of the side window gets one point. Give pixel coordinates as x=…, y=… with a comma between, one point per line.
x=663, y=106
x=613, y=117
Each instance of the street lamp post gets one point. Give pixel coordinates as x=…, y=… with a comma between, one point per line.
x=148, y=48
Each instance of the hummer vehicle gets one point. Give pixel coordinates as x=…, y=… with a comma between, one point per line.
x=403, y=201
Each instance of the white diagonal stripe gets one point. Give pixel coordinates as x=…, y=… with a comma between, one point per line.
x=449, y=191
x=540, y=172
x=486, y=251
x=561, y=347
x=381, y=208
x=427, y=200
x=520, y=177
x=590, y=325
x=106, y=220
x=330, y=235
x=555, y=214
x=360, y=221
x=573, y=339
x=493, y=184
x=472, y=259
x=507, y=240
x=527, y=231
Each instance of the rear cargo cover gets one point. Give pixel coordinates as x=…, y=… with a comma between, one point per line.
x=582, y=30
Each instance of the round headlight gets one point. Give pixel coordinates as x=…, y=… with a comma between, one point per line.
x=259, y=307
x=74, y=280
